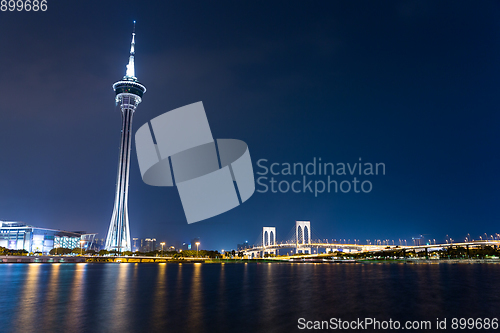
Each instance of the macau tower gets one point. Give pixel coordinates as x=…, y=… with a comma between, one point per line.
x=128, y=96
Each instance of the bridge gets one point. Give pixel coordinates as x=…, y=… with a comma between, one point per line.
x=301, y=243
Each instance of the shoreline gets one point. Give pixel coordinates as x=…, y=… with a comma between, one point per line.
x=117, y=260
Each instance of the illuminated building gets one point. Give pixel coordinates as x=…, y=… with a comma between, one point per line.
x=128, y=96
x=19, y=236
x=149, y=245
x=135, y=244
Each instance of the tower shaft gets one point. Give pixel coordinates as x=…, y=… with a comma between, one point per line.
x=119, y=228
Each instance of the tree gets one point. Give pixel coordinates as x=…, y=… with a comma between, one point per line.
x=77, y=250
x=6, y=251
x=103, y=252
x=59, y=251
x=188, y=253
x=151, y=253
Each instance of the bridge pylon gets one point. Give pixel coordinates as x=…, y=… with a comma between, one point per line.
x=303, y=236
x=268, y=240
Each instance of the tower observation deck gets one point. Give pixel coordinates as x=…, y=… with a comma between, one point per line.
x=129, y=94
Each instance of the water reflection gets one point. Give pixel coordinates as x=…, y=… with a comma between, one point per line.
x=179, y=297
x=75, y=316
x=28, y=307
x=50, y=318
x=160, y=302
x=268, y=293
x=234, y=297
x=119, y=315
x=195, y=311
x=221, y=302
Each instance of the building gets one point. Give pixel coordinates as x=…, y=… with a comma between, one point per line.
x=128, y=96
x=20, y=236
x=136, y=245
x=99, y=244
x=193, y=243
x=243, y=246
x=148, y=244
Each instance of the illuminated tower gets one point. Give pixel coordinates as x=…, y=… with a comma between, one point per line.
x=128, y=95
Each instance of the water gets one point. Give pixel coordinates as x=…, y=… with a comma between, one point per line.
x=253, y=297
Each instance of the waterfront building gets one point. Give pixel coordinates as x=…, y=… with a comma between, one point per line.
x=20, y=236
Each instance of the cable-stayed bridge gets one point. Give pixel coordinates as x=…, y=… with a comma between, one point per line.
x=302, y=240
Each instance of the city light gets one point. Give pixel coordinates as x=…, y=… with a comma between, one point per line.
x=162, y=243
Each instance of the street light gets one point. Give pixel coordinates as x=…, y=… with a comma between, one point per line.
x=81, y=247
x=197, y=244
x=162, y=244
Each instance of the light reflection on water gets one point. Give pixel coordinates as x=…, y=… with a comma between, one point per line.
x=26, y=310
x=196, y=301
x=75, y=314
x=119, y=315
x=160, y=299
x=51, y=298
x=251, y=297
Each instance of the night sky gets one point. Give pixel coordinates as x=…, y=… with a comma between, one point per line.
x=412, y=84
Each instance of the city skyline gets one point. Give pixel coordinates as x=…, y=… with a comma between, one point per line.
x=409, y=85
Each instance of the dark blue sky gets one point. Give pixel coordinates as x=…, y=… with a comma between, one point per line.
x=412, y=84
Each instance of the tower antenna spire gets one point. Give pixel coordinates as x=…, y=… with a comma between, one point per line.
x=130, y=73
